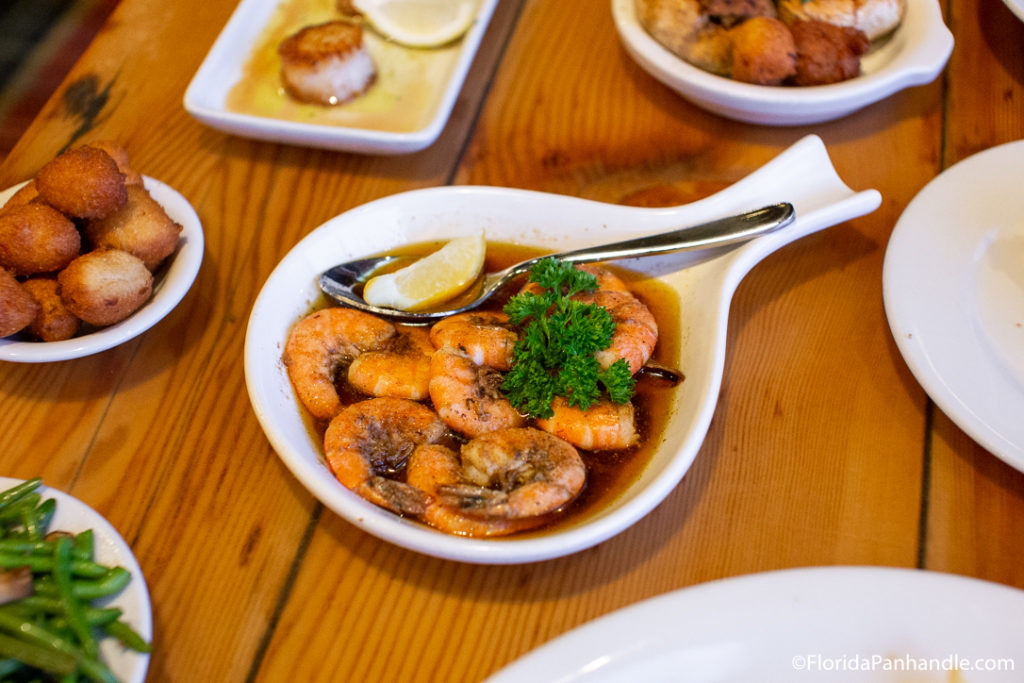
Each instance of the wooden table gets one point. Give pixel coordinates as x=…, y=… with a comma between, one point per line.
x=824, y=450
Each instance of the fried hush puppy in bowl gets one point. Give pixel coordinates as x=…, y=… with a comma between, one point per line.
x=36, y=238
x=105, y=286
x=17, y=307
x=84, y=182
x=53, y=320
x=141, y=227
x=79, y=244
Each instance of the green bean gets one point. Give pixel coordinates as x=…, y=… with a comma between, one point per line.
x=19, y=546
x=72, y=609
x=114, y=582
x=45, y=511
x=41, y=657
x=128, y=636
x=15, y=493
x=42, y=563
x=8, y=667
x=40, y=635
x=13, y=511
x=84, y=544
x=35, y=604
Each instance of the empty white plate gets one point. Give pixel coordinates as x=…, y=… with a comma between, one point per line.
x=953, y=282
x=833, y=624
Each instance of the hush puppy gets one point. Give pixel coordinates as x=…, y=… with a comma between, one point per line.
x=120, y=156
x=26, y=194
x=105, y=286
x=53, y=322
x=763, y=51
x=17, y=307
x=827, y=53
x=83, y=182
x=140, y=227
x=36, y=238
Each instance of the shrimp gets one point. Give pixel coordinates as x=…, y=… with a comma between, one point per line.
x=636, y=330
x=606, y=280
x=320, y=344
x=369, y=440
x=604, y=426
x=433, y=467
x=399, y=369
x=485, y=337
x=467, y=396
x=515, y=473
x=384, y=360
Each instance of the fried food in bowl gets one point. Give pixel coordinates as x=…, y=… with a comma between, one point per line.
x=92, y=282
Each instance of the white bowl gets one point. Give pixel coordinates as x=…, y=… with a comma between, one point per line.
x=803, y=175
x=111, y=550
x=174, y=278
x=914, y=54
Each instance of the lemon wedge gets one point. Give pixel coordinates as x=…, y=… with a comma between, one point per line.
x=419, y=23
x=433, y=279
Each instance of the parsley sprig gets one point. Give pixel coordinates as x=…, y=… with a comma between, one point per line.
x=558, y=338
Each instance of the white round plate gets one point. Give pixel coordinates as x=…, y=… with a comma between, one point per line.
x=914, y=54
x=172, y=282
x=953, y=283
x=110, y=549
x=830, y=624
x=704, y=282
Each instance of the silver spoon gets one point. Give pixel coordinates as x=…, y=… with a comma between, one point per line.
x=339, y=282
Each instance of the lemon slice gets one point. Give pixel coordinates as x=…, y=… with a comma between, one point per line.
x=419, y=23
x=433, y=279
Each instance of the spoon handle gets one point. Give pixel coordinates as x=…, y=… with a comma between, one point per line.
x=717, y=233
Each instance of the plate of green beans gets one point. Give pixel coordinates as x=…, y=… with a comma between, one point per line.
x=73, y=602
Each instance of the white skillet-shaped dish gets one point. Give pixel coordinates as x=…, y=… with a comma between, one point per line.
x=803, y=175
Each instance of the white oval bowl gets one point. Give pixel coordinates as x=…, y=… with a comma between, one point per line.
x=803, y=175
x=172, y=282
x=914, y=54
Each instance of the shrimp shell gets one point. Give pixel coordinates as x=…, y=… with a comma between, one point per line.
x=369, y=442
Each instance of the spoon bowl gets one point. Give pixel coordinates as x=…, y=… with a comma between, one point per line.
x=703, y=281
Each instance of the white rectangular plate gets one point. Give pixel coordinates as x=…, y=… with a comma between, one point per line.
x=360, y=126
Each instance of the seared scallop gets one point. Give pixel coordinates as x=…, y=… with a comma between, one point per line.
x=326, y=63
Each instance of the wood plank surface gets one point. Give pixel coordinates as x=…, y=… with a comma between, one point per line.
x=823, y=450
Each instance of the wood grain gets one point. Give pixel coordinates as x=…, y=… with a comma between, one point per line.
x=823, y=449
